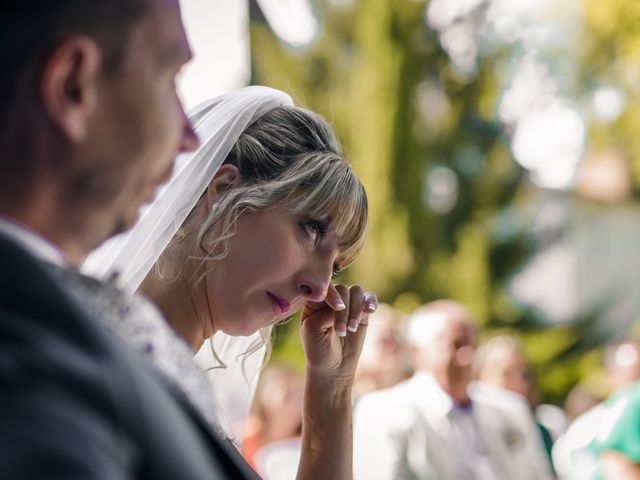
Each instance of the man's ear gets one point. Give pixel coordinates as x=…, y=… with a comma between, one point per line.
x=68, y=85
x=226, y=177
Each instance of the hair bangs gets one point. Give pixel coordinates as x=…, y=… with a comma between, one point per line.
x=331, y=193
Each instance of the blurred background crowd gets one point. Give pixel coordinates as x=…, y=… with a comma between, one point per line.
x=499, y=144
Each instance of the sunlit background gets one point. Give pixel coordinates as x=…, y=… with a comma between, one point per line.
x=499, y=142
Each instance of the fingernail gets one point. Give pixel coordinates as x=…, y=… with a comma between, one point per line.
x=353, y=325
x=371, y=306
x=341, y=330
x=340, y=305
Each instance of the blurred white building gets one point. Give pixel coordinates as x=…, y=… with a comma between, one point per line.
x=219, y=34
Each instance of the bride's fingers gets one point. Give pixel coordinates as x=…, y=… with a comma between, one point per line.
x=356, y=306
x=353, y=344
x=361, y=305
x=342, y=316
x=350, y=305
x=370, y=305
x=334, y=299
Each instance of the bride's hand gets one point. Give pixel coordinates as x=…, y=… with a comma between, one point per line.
x=333, y=331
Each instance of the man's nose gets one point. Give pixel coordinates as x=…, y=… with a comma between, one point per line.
x=464, y=355
x=189, y=140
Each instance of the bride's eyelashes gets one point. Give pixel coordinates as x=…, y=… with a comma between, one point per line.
x=337, y=270
x=315, y=230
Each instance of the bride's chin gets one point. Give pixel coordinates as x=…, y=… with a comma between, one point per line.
x=241, y=329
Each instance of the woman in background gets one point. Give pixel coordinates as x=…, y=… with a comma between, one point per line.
x=385, y=359
x=276, y=414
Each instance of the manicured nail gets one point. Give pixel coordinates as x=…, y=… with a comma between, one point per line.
x=340, y=305
x=353, y=325
x=341, y=330
x=371, y=306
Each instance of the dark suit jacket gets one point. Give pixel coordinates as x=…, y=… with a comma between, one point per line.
x=75, y=402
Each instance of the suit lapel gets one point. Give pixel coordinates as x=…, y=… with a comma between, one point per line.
x=24, y=278
x=497, y=438
x=432, y=404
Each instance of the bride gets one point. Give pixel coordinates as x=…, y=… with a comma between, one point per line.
x=249, y=230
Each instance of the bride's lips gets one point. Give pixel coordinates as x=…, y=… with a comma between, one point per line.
x=280, y=304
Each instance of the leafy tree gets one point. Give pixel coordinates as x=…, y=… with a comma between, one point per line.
x=406, y=115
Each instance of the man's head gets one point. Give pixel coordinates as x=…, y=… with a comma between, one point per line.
x=501, y=362
x=89, y=117
x=443, y=342
x=622, y=363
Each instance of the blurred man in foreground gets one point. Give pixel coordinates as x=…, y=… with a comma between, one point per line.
x=89, y=126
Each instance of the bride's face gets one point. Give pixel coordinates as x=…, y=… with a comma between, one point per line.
x=275, y=263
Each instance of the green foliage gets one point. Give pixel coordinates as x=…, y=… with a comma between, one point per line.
x=286, y=343
x=401, y=109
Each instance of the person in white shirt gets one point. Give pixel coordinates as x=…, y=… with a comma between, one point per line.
x=505, y=380
x=429, y=427
x=571, y=455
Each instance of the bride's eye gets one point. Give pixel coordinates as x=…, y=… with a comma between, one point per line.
x=314, y=229
x=337, y=270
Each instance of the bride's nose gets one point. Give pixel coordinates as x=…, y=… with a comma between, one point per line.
x=313, y=280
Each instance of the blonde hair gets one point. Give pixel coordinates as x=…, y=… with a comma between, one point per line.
x=288, y=158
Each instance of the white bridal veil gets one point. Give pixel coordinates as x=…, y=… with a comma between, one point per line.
x=128, y=257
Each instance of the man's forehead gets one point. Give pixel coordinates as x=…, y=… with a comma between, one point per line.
x=456, y=331
x=463, y=331
x=163, y=29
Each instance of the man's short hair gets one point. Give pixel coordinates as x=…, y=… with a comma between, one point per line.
x=425, y=325
x=428, y=322
x=31, y=29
